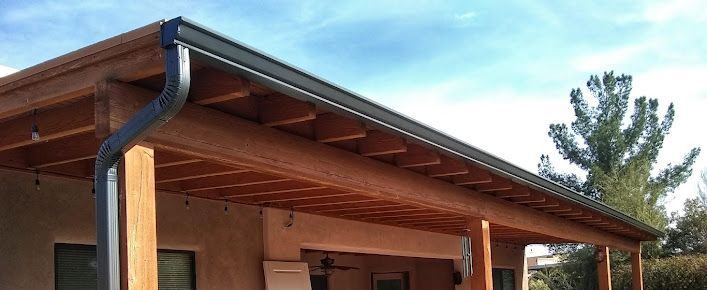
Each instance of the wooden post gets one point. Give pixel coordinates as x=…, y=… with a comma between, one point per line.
x=480, y=254
x=603, y=267
x=138, y=230
x=636, y=271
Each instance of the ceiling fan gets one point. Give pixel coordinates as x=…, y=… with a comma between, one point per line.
x=328, y=267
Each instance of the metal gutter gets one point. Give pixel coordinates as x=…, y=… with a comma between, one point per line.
x=146, y=121
x=230, y=55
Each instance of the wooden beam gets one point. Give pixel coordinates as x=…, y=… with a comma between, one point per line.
x=278, y=109
x=448, y=166
x=295, y=195
x=481, y=254
x=476, y=176
x=528, y=199
x=53, y=124
x=636, y=271
x=213, y=135
x=210, y=86
x=126, y=61
x=330, y=127
x=358, y=209
x=194, y=170
x=379, y=143
x=65, y=150
x=355, y=199
x=416, y=156
x=270, y=188
x=603, y=267
x=517, y=191
x=166, y=159
x=497, y=184
x=138, y=226
x=387, y=212
x=229, y=180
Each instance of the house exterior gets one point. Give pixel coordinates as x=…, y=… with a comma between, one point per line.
x=241, y=171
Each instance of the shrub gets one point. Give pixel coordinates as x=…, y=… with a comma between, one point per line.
x=679, y=272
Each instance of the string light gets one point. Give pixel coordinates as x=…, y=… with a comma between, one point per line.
x=36, y=178
x=35, y=128
x=186, y=200
x=93, y=191
x=225, y=207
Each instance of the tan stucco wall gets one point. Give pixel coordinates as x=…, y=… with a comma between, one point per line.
x=424, y=274
x=228, y=247
x=330, y=234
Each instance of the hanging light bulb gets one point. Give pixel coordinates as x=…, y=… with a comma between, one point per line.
x=225, y=207
x=93, y=191
x=35, y=128
x=186, y=200
x=36, y=178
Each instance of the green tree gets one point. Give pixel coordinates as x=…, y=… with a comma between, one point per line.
x=605, y=146
x=689, y=235
x=616, y=154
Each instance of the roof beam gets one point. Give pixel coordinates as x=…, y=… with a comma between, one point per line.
x=195, y=170
x=128, y=61
x=210, y=86
x=497, y=184
x=214, y=135
x=278, y=109
x=53, y=124
x=330, y=127
x=380, y=143
x=65, y=150
x=229, y=180
x=475, y=176
x=448, y=166
x=416, y=156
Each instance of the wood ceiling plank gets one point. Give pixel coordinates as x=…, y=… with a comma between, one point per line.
x=379, y=143
x=328, y=201
x=330, y=127
x=266, y=189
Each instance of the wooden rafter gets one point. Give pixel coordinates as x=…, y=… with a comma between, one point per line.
x=416, y=156
x=379, y=143
x=210, y=86
x=53, y=124
x=448, y=166
x=329, y=127
x=65, y=150
x=278, y=109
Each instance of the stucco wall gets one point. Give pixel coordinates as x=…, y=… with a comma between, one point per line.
x=228, y=247
x=424, y=274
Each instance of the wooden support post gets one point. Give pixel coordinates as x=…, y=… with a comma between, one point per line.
x=636, y=271
x=480, y=254
x=603, y=267
x=138, y=230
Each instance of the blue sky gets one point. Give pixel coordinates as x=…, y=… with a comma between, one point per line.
x=493, y=73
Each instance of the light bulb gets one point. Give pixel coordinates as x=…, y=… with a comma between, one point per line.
x=35, y=132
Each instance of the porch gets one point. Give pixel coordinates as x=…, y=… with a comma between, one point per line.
x=259, y=138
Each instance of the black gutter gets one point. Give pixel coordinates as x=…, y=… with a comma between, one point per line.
x=146, y=121
x=227, y=54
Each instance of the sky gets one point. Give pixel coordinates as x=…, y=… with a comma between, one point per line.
x=495, y=74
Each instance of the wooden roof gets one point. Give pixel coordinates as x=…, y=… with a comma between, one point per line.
x=75, y=111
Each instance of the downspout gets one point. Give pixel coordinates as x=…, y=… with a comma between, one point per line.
x=145, y=122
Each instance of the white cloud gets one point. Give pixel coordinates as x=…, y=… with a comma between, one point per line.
x=6, y=70
x=608, y=60
x=664, y=11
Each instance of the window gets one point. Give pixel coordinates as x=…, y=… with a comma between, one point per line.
x=75, y=268
x=503, y=279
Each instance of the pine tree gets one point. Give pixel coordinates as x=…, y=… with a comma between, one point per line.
x=618, y=152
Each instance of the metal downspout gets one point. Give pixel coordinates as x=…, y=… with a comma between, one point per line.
x=146, y=121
